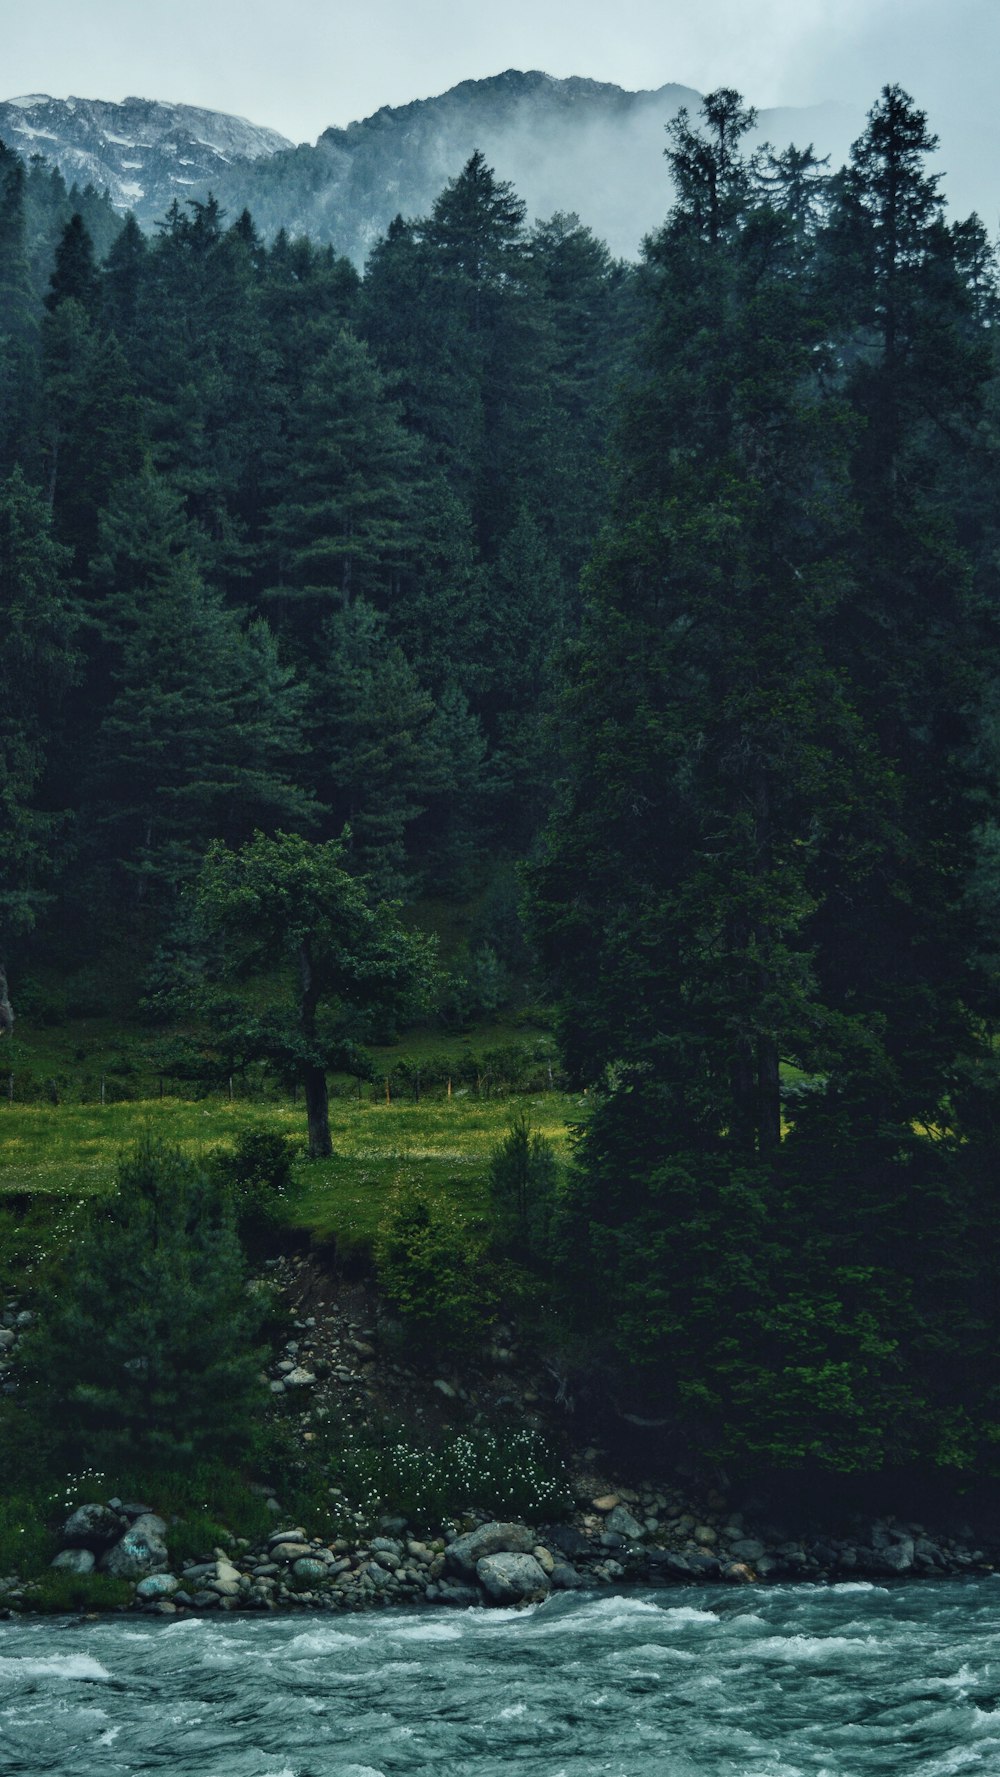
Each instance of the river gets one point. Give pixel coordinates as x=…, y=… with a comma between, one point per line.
x=803, y=1681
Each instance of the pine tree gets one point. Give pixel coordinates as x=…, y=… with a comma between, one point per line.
x=147, y=1356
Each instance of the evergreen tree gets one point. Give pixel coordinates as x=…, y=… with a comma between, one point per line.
x=148, y=1353
x=38, y=663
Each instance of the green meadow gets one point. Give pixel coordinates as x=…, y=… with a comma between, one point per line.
x=60, y=1145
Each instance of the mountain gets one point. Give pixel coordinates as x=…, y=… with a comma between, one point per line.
x=143, y=152
x=570, y=144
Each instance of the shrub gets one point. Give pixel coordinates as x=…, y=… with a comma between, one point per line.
x=257, y=1172
x=522, y=1181
x=434, y=1272
x=506, y=1473
x=58, y=1591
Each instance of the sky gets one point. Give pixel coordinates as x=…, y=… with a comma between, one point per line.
x=302, y=65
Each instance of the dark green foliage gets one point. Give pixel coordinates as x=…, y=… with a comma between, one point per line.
x=147, y=1354
x=257, y=1174
x=39, y=660
x=284, y=901
x=768, y=824
x=434, y=1274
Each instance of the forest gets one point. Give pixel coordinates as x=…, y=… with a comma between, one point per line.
x=651, y=610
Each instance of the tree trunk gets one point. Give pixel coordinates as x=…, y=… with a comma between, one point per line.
x=318, y=1113
x=6, y=1009
x=313, y=1075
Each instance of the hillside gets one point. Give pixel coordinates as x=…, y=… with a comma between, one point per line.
x=571, y=145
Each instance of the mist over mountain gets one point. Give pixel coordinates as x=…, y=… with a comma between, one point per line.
x=571, y=144
x=143, y=152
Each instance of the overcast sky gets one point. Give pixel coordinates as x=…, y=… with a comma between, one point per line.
x=300, y=65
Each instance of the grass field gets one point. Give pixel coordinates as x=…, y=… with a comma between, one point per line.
x=62, y=1150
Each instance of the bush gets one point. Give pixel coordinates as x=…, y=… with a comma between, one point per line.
x=510, y=1474
x=434, y=1273
x=57, y=1591
x=257, y=1173
x=147, y=1354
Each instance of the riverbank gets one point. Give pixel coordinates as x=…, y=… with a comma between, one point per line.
x=345, y=1363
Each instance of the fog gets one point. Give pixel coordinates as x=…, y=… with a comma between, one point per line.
x=303, y=65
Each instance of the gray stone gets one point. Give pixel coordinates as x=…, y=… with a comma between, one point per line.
x=445, y=1388
x=309, y=1567
x=75, y=1561
x=747, y=1549
x=565, y=1578
x=620, y=1522
x=299, y=1378
x=92, y=1526
x=156, y=1586
x=289, y=1551
x=294, y=1535
x=7, y=1338
x=140, y=1551
x=898, y=1557
x=510, y=1579
x=458, y=1595
x=464, y=1554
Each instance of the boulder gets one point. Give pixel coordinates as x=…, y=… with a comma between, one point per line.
x=75, y=1561
x=92, y=1527
x=464, y=1554
x=620, y=1522
x=898, y=1557
x=565, y=1578
x=512, y=1579
x=140, y=1551
x=747, y=1549
x=157, y=1586
x=308, y=1567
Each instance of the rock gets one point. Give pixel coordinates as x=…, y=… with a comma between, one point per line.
x=567, y=1540
x=465, y=1553
x=93, y=1527
x=511, y=1579
x=309, y=1567
x=705, y=1536
x=299, y=1378
x=620, y=1522
x=668, y=1561
x=156, y=1586
x=75, y=1561
x=565, y=1578
x=289, y=1551
x=606, y=1502
x=295, y=1535
x=455, y=1593
x=738, y=1573
x=898, y=1557
x=140, y=1551
x=445, y=1388
x=7, y=1338
x=747, y=1549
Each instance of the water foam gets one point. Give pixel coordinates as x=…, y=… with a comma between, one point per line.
x=71, y=1666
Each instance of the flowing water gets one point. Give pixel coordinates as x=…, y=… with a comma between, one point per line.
x=838, y=1681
